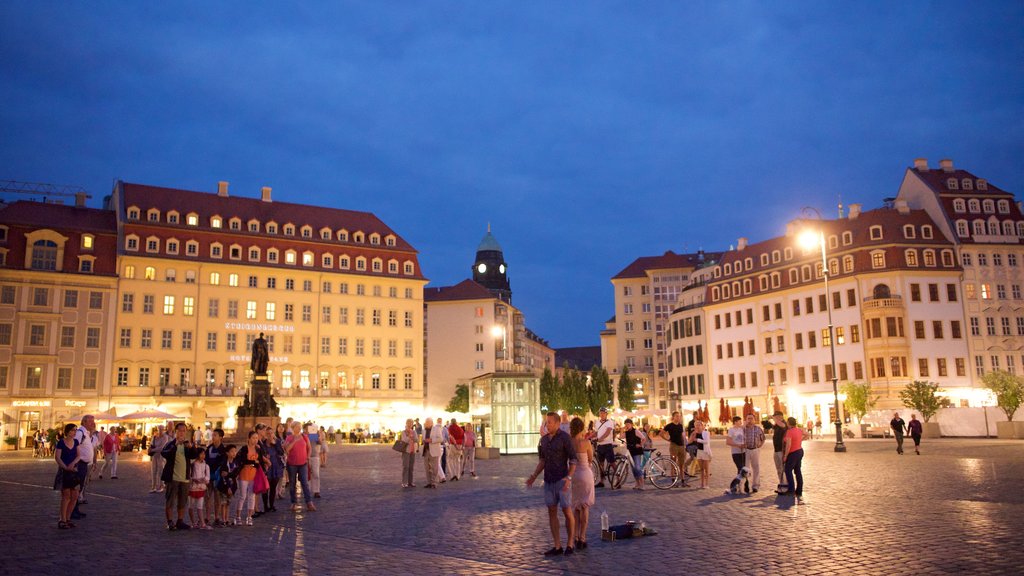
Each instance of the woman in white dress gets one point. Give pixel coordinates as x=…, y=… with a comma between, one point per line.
x=582, y=481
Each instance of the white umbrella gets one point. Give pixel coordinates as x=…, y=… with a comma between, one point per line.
x=151, y=414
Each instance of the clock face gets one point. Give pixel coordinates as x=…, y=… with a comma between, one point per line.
x=501, y=268
x=481, y=268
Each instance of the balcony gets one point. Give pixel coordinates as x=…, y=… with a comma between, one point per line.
x=893, y=301
x=210, y=390
x=298, y=392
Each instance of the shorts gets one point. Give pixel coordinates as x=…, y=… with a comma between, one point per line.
x=196, y=493
x=176, y=493
x=554, y=495
x=703, y=455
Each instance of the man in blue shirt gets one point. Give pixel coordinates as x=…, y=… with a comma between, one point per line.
x=558, y=461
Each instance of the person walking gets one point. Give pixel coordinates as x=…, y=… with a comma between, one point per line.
x=899, y=427
x=66, y=456
x=315, y=443
x=582, y=482
x=634, y=444
x=794, y=455
x=701, y=439
x=455, y=454
x=178, y=455
x=753, y=439
x=410, y=438
x=442, y=464
x=778, y=435
x=605, y=444
x=558, y=462
x=915, y=429
x=297, y=450
x=111, y=450
x=469, y=450
x=737, y=444
x=431, y=451
x=675, y=434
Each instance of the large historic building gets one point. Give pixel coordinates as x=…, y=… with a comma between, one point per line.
x=473, y=329
x=58, y=283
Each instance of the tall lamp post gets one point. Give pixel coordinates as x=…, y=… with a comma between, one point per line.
x=810, y=240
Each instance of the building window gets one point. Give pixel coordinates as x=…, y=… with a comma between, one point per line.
x=44, y=255
x=37, y=335
x=878, y=259
x=168, y=305
x=33, y=377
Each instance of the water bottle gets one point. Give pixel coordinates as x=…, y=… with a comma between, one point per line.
x=604, y=521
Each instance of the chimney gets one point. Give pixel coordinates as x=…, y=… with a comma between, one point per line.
x=921, y=164
x=946, y=165
x=222, y=189
x=266, y=194
x=80, y=199
x=901, y=206
x=741, y=243
x=854, y=211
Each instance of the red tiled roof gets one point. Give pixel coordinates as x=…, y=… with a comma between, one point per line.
x=639, y=267
x=465, y=290
x=59, y=216
x=208, y=204
x=938, y=180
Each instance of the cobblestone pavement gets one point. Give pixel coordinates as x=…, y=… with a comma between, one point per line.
x=957, y=508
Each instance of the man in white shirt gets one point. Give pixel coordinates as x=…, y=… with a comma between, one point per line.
x=605, y=444
x=735, y=441
x=87, y=438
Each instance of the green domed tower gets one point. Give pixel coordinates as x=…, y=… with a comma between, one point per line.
x=490, y=269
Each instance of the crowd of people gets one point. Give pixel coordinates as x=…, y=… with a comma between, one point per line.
x=448, y=451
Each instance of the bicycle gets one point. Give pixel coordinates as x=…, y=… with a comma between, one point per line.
x=663, y=472
x=617, y=470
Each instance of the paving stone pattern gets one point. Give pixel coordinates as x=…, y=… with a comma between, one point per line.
x=957, y=508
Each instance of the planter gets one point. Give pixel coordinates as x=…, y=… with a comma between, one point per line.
x=1010, y=430
x=931, y=430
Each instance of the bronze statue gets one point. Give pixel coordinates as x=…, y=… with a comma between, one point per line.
x=260, y=356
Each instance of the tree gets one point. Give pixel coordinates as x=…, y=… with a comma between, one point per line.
x=858, y=399
x=923, y=397
x=600, y=393
x=627, y=393
x=550, y=400
x=1008, y=390
x=460, y=401
x=573, y=392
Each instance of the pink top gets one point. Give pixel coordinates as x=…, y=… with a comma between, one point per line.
x=469, y=439
x=298, y=453
x=795, y=437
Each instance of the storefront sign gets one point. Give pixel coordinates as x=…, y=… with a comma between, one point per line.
x=273, y=359
x=258, y=327
x=74, y=403
x=30, y=403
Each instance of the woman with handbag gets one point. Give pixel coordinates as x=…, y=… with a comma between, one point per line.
x=250, y=460
x=272, y=446
x=406, y=444
x=66, y=455
x=702, y=440
x=297, y=450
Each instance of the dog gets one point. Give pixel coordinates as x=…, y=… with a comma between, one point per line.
x=741, y=478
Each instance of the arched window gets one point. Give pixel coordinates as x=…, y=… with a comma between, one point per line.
x=929, y=258
x=847, y=264
x=1020, y=229
x=1004, y=207
x=875, y=232
x=881, y=291
x=878, y=259
x=911, y=256
x=993, y=227
x=973, y=205
x=952, y=184
x=847, y=238
x=908, y=231
x=978, y=227
x=959, y=205
x=961, y=229
x=1008, y=228
x=44, y=255
x=987, y=206
x=409, y=268
x=764, y=259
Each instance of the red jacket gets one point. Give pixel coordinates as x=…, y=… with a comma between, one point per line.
x=455, y=434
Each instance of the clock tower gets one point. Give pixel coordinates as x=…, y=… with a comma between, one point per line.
x=490, y=269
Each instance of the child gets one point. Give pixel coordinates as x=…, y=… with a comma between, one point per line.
x=227, y=485
x=197, y=492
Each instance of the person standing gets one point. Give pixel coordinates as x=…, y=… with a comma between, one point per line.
x=469, y=450
x=675, y=434
x=753, y=438
x=409, y=454
x=701, y=439
x=66, y=455
x=442, y=464
x=794, y=455
x=431, y=451
x=296, y=447
x=111, y=450
x=315, y=440
x=779, y=447
x=582, y=482
x=737, y=444
x=558, y=462
x=634, y=443
x=273, y=446
x=88, y=439
x=156, y=460
x=563, y=421
x=216, y=456
x=178, y=455
x=455, y=440
x=605, y=444
x=915, y=428
x=899, y=427
x=249, y=458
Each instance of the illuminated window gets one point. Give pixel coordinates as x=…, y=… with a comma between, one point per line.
x=289, y=257
x=150, y=273
x=878, y=259
x=88, y=241
x=192, y=219
x=216, y=222
x=250, y=310
x=129, y=272
x=168, y=305
x=215, y=278
x=188, y=305
x=271, y=311
x=232, y=279
x=986, y=291
x=307, y=258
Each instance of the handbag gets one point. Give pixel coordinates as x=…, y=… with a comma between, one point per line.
x=400, y=446
x=260, y=484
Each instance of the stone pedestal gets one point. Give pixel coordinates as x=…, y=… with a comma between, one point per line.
x=259, y=407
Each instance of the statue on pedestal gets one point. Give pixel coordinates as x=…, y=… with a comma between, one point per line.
x=259, y=402
x=260, y=356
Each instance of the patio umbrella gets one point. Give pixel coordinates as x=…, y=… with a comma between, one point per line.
x=705, y=416
x=151, y=414
x=748, y=407
x=721, y=409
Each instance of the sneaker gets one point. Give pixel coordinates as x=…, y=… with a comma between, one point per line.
x=568, y=551
x=554, y=552
x=237, y=522
x=310, y=507
x=207, y=527
x=182, y=526
x=170, y=525
x=248, y=521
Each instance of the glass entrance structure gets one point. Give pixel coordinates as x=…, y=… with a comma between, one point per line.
x=508, y=407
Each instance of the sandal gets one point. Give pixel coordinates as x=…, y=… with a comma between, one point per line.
x=70, y=524
x=62, y=525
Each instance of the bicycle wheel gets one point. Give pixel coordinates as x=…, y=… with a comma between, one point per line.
x=595, y=468
x=620, y=471
x=663, y=472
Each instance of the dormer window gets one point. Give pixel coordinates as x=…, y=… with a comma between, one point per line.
x=875, y=232
x=728, y=269
x=342, y=235
x=216, y=250
x=952, y=184
x=378, y=265
x=375, y=239
x=289, y=230
x=1004, y=207
x=847, y=238
x=833, y=242
x=235, y=224
x=173, y=217
x=133, y=213
x=787, y=254
x=254, y=226
x=988, y=207
x=131, y=243
x=254, y=254
x=343, y=262
x=172, y=246
x=88, y=241
x=216, y=222
x=958, y=205
x=152, y=244
x=908, y=231
x=748, y=264
x=327, y=261
x=191, y=248
x=961, y=229
x=271, y=227
x=390, y=240
x=982, y=184
x=325, y=233
x=235, y=252
x=361, y=263
x=192, y=219
x=359, y=237
x=307, y=257
x=764, y=259
x=153, y=215
x=973, y=205
x=929, y=258
x=926, y=232
x=3, y=233
x=911, y=257
x=392, y=266
x=409, y=269
x=289, y=257
x=307, y=232
x=968, y=184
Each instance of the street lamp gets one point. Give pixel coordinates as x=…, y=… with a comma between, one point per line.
x=499, y=331
x=810, y=240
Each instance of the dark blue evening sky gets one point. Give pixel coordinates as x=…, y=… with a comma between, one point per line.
x=587, y=133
